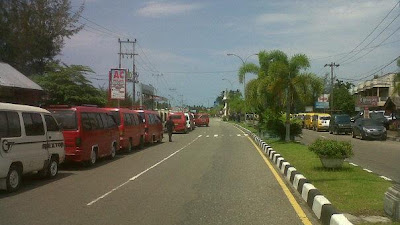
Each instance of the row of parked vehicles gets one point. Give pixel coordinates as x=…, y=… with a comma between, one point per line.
x=36, y=139
x=366, y=128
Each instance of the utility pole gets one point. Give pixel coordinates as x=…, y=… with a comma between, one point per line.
x=132, y=54
x=157, y=77
x=332, y=65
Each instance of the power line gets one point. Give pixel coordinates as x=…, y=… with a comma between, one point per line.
x=383, y=67
x=370, y=32
x=372, y=40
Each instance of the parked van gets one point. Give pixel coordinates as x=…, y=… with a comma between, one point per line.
x=90, y=133
x=201, y=119
x=153, y=127
x=308, y=119
x=31, y=140
x=131, y=128
x=189, y=121
x=179, y=120
x=320, y=121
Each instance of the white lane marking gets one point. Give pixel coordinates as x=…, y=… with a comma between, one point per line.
x=353, y=164
x=239, y=135
x=246, y=135
x=215, y=135
x=200, y=135
x=369, y=171
x=385, y=178
x=140, y=174
x=207, y=136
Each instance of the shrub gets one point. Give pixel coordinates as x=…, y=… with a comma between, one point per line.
x=331, y=148
x=274, y=124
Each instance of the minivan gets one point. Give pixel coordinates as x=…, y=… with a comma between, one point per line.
x=153, y=127
x=131, y=128
x=90, y=133
x=340, y=123
x=31, y=140
x=320, y=121
x=179, y=120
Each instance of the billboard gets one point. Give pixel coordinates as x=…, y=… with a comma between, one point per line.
x=367, y=101
x=117, y=83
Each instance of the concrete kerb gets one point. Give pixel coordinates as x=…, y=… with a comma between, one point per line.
x=320, y=205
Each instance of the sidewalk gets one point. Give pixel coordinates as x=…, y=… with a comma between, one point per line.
x=393, y=135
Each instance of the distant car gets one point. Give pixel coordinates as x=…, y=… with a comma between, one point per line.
x=380, y=117
x=369, y=128
x=179, y=120
x=339, y=124
x=202, y=119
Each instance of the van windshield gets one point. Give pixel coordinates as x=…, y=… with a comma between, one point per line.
x=66, y=119
x=116, y=116
x=343, y=119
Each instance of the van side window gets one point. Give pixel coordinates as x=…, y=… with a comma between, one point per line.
x=33, y=124
x=51, y=123
x=93, y=121
x=85, y=121
x=104, y=118
x=111, y=121
x=99, y=121
x=10, y=125
x=127, y=119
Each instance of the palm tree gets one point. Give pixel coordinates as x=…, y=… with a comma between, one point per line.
x=280, y=82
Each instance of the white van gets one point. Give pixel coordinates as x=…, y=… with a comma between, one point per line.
x=30, y=140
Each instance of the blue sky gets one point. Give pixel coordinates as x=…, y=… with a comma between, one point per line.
x=186, y=42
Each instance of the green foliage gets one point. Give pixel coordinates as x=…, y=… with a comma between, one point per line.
x=343, y=100
x=332, y=148
x=275, y=124
x=68, y=85
x=396, y=81
x=32, y=32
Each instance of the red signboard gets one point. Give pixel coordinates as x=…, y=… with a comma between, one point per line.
x=117, y=84
x=367, y=101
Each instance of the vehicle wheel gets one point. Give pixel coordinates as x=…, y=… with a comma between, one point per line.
x=113, y=152
x=93, y=158
x=13, y=179
x=52, y=168
x=130, y=146
x=141, y=143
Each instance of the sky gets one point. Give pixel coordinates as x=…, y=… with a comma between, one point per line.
x=182, y=46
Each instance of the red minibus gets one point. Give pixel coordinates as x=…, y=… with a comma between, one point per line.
x=131, y=128
x=153, y=127
x=89, y=132
x=202, y=119
x=179, y=119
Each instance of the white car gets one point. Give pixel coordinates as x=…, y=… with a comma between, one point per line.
x=30, y=140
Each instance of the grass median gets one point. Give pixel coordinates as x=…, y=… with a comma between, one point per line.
x=350, y=189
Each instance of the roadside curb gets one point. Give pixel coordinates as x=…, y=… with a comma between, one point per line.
x=321, y=206
x=394, y=138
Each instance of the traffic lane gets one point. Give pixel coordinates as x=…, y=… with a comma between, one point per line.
x=65, y=197
x=215, y=180
x=381, y=157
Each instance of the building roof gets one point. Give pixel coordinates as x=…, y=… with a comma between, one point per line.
x=10, y=77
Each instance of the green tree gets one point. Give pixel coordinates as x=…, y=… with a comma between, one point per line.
x=67, y=85
x=344, y=101
x=32, y=32
x=281, y=81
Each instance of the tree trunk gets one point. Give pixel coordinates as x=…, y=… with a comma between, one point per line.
x=287, y=137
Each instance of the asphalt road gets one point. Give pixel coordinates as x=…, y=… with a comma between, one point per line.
x=209, y=176
x=380, y=157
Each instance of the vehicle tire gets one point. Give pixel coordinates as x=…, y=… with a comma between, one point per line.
x=130, y=146
x=141, y=142
x=14, y=178
x=93, y=158
x=52, y=169
x=113, y=151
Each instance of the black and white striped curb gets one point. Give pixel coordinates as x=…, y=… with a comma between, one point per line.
x=320, y=205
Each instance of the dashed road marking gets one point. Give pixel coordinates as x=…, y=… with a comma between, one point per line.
x=385, y=178
x=207, y=136
x=246, y=135
x=200, y=135
x=369, y=171
x=215, y=135
x=239, y=135
x=353, y=164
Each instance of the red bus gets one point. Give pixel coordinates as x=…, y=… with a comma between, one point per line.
x=89, y=132
x=179, y=119
x=131, y=128
x=153, y=127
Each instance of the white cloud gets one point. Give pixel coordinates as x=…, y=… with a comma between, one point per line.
x=279, y=18
x=161, y=9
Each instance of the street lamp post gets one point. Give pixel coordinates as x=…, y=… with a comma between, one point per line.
x=244, y=79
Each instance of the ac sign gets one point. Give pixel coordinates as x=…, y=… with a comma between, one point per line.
x=117, y=84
